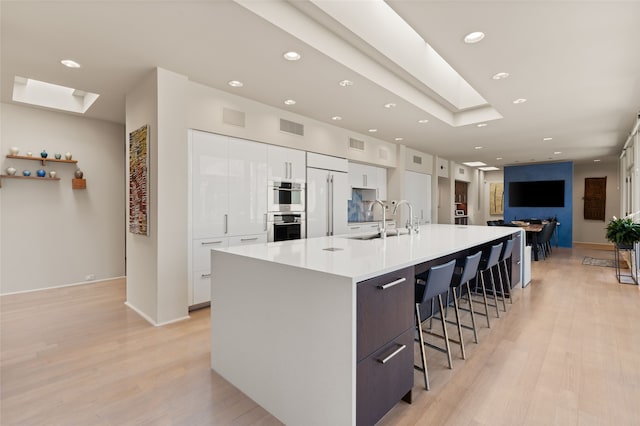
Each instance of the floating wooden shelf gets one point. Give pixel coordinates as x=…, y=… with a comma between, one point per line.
x=42, y=160
x=25, y=177
x=78, y=183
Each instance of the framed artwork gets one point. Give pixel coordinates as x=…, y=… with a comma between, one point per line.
x=595, y=198
x=139, y=181
x=496, y=198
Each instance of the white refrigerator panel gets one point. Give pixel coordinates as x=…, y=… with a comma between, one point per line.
x=317, y=203
x=341, y=192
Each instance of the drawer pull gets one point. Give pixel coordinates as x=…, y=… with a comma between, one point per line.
x=355, y=227
x=394, y=353
x=392, y=283
x=249, y=239
x=210, y=242
x=205, y=276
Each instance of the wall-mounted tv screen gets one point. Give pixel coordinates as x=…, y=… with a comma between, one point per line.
x=542, y=193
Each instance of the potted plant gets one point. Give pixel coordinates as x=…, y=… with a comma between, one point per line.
x=623, y=232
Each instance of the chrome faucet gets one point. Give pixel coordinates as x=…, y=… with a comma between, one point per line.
x=409, y=222
x=382, y=229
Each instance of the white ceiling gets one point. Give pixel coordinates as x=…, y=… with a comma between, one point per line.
x=576, y=63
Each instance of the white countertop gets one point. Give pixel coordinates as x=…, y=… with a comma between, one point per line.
x=363, y=259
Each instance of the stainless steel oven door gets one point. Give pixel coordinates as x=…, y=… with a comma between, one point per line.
x=286, y=197
x=286, y=226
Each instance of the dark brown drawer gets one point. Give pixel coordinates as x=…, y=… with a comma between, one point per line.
x=379, y=385
x=384, y=309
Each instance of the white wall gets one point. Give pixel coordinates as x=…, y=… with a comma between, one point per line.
x=52, y=235
x=593, y=231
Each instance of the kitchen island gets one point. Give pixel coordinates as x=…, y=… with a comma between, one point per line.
x=320, y=331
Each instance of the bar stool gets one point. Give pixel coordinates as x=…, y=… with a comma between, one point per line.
x=436, y=284
x=506, y=255
x=486, y=265
x=460, y=280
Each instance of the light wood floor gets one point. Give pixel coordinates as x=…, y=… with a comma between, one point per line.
x=566, y=353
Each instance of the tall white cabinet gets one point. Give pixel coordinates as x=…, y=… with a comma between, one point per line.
x=418, y=193
x=228, y=197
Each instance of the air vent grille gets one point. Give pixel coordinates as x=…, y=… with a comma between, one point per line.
x=417, y=159
x=233, y=117
x=461, y=170
x=356, y=144
x=291, y=127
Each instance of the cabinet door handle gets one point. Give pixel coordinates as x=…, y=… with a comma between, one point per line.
x=392, y=283
x=248, y=239
x=364, y=180
x=205, y=275
x=265, y=221
x=394, y=353
x=355, y=227
x=226, y=223
x=210, y=242
x=286, y=170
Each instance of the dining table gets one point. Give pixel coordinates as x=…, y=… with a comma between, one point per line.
x=532, y=230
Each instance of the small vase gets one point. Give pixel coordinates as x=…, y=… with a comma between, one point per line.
x=11, y=171
x=29, y=154
x=26, y=173
x=78, y=174
x=41, y=173
x=67, y=156
x=44, y=154
x=58, y=156
x=52, y=174
x=14, y=150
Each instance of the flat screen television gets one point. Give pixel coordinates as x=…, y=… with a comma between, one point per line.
x=541, y=193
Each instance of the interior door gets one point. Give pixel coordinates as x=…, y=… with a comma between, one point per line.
x=317, y=203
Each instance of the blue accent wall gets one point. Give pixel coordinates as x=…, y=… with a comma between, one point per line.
x=536, y=172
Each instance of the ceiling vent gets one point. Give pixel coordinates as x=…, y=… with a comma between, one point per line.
x=417, y=159
x=291, y=127
x=356, y=144
x=233, y=117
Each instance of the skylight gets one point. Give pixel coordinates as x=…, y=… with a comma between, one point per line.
x=41, y=93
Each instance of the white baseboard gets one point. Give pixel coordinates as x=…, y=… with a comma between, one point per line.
x=64, y=285
x=150, y=320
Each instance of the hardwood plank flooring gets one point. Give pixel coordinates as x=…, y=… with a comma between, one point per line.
x=566, y=353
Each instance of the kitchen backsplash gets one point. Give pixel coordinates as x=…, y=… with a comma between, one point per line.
x=360, y=206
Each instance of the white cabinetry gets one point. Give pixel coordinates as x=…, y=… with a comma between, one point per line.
x=418, y=193
x=228, y=179
x=369, y=177
x=286, y=164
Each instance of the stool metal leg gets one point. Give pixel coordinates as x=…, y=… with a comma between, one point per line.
x=502, y=293
x=423, y=355
x=495, y=291
x=484, y=296
x=444, y=331
x=506, y=274
x=473, y=318
x=455, y=307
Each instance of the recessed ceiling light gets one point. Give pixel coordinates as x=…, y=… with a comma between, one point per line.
x=289, y=102
x=481, y=124
x=519, y=101
x=235, y=83
x=547, y=139
x=336, y=118
x=557, y=152
x=596, y=161
x=500, y=76
x=424, y=120
x=478, y=147
x=345, y=83
x=292, y=56
x=473, y=37
x=498, y=158
x=474, y=163
x=488, y=169
x=389, y=105
x=373, y=130
x=398, y=139
x=70, y=63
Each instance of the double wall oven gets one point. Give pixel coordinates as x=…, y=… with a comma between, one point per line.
x=286, y=218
